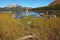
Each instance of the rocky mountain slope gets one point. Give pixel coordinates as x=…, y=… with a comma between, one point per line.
x=55, y=2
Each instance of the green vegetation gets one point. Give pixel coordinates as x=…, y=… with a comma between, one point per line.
x=54, y=7
x=45, y=29
x=50, y=9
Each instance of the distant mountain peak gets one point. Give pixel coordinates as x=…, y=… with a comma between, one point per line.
x=12, y=5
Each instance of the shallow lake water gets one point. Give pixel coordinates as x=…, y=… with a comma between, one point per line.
x=30, y=13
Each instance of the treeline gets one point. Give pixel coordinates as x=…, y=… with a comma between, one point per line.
x=50, y=9
x=55, y=7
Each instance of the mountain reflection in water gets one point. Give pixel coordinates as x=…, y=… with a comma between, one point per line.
x=30, y=13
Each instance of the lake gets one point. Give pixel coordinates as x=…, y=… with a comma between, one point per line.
x=30, y=13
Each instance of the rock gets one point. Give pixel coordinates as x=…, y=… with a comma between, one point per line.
x=55, y=2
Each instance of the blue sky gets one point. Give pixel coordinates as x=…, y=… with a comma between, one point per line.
x=26, y=3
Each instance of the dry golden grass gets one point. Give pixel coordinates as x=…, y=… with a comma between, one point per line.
x=45, y=29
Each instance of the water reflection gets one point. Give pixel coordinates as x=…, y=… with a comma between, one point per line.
x=30, y=13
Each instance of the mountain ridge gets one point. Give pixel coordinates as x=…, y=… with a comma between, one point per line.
x=54, y=2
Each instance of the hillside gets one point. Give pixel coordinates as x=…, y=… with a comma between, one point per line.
x=54, y=2
x=54, y=6
x=49, y=9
